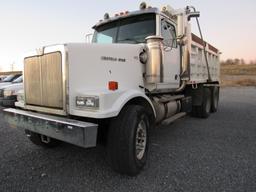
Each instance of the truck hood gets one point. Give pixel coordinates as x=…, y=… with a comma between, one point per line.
x=92, y=66
x=82, y=70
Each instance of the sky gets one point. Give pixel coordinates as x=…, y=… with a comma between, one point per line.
x=229, y=25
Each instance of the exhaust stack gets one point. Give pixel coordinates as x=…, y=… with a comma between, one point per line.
x=154, y=65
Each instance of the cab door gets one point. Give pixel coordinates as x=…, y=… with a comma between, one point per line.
x=171, y=55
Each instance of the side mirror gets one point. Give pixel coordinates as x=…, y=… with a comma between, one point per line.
x=193, y=14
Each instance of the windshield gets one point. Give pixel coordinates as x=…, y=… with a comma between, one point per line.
x=129, y=30
x=18, y=80
x=9, y=78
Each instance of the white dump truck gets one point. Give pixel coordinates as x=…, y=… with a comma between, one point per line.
x=141, y=69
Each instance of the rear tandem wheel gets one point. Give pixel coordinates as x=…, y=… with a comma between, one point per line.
x=204, y=110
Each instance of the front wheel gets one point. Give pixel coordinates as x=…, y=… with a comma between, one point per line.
x=128, y=140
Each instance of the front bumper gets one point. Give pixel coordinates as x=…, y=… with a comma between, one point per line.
x=8, y=101
x=76, y=132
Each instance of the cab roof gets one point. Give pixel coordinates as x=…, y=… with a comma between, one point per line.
x=130, y=14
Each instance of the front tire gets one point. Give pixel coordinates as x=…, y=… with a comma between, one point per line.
x=128, y=140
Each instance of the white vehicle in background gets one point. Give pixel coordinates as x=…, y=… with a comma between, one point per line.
x=142, y=68
x=9, y=79
x=8, y=93
x=2, y=77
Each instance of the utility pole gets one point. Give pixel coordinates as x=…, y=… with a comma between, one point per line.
x=12, y=66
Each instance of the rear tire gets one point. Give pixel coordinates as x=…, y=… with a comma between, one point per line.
x=215, y=99
x=128, y=140
x=36, y=139
x=203, y=110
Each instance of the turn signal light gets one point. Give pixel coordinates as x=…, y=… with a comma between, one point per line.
x=122, y=14
x=112, y=85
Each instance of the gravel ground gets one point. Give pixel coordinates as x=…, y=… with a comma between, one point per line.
x=217, y=154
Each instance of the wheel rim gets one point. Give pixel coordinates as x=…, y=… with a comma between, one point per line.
x=141, y=140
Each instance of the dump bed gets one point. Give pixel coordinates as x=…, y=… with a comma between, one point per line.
x=198, y=66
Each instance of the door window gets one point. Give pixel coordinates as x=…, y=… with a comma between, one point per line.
x=169, y=34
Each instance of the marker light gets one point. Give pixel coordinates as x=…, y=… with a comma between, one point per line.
x=143, y=5
x=106, y=16
x=112, y=85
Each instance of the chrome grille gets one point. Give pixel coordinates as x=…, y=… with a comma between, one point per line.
x=43, y=80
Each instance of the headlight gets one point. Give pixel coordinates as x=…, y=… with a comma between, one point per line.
x=8, y=93
x=20, y=97
x=89, y=102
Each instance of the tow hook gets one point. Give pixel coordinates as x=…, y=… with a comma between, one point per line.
x=28, y=133
x=45, y=139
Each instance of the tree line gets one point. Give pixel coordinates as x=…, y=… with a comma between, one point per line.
x=237, y=62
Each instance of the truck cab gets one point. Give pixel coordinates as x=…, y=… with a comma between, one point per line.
x=135, y=27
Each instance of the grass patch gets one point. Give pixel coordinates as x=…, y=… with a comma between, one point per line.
x=238, y=75
x=238, y=69
x=239, y=82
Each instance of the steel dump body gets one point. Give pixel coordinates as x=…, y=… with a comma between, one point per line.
x=198, y=65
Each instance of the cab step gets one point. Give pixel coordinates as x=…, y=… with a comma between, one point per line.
x=173, y=118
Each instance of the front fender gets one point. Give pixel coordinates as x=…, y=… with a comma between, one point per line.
x=111, y=103
x=128, y=96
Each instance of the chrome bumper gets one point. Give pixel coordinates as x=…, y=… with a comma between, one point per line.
x=76, y=132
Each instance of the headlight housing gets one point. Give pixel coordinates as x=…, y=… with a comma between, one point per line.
x=91, y=102
x=8, y=93
x=20, y=96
